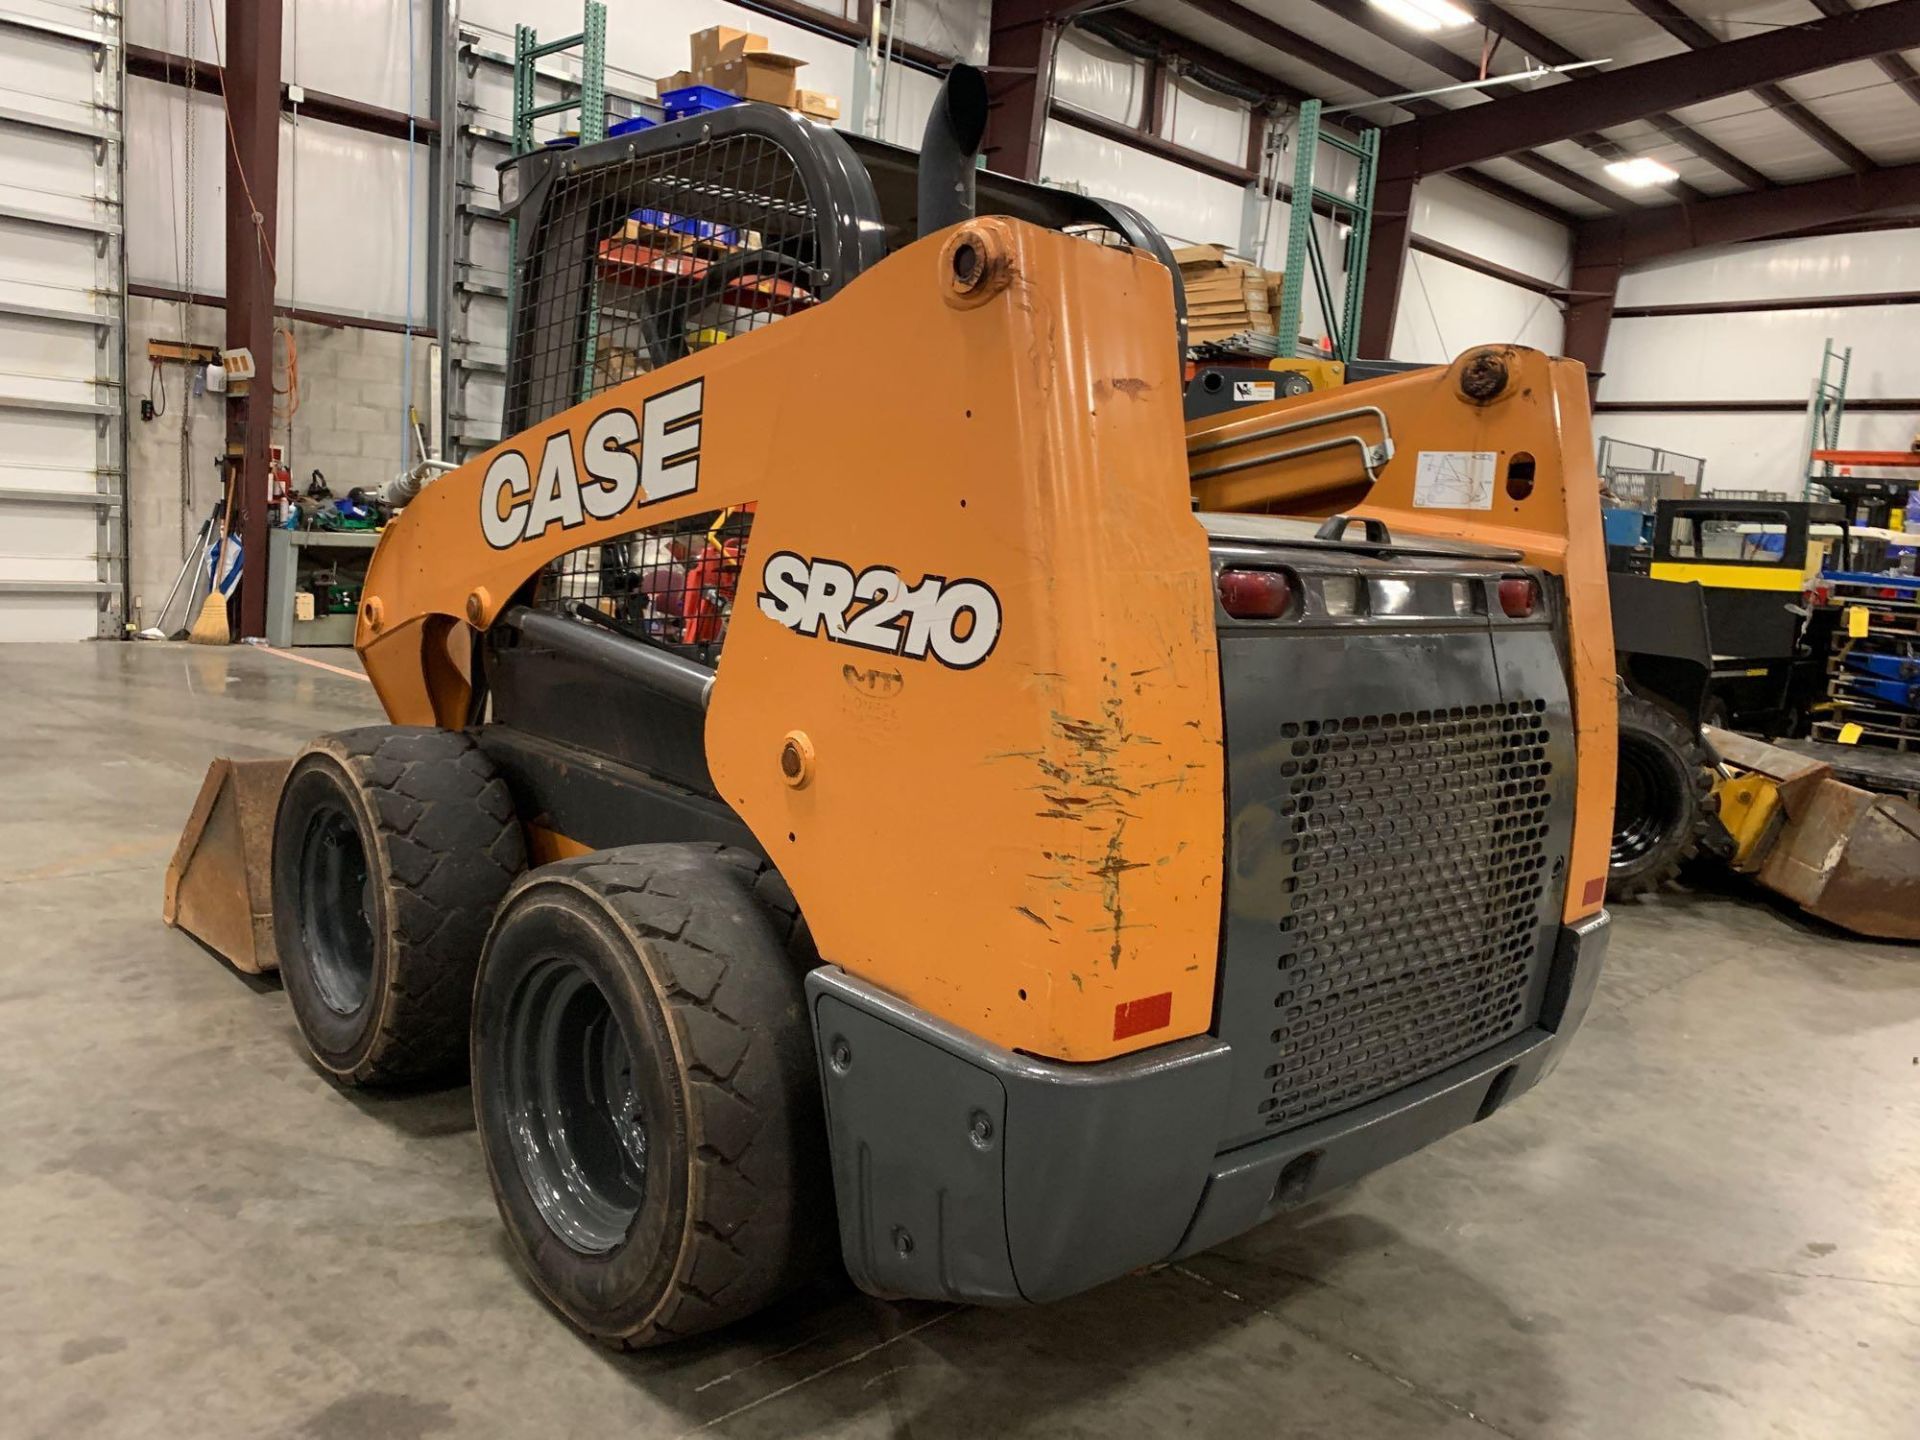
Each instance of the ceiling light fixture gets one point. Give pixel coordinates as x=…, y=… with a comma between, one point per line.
x=1642, y=171
x=1427, y=15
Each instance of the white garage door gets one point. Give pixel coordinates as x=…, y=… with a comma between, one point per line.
x=62, y=430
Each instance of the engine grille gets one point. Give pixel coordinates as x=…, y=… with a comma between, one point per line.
x=1419, y=853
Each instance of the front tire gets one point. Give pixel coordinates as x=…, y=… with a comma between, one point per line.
x=646, y=1091
x=1662, y=799
x=391, y=847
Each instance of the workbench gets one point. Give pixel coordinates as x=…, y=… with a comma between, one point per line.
x=284, y=552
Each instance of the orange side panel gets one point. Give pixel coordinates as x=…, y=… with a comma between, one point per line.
x=1019, y=828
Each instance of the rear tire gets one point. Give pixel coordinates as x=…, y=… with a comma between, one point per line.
x=391, y=848
x=646, y=1090
x=1662, y=799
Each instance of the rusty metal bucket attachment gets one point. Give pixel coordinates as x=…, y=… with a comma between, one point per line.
x=1844, y=854
x=220, y=881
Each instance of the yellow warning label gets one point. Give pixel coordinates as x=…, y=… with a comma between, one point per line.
x=1850, y=734
x=1857, y=622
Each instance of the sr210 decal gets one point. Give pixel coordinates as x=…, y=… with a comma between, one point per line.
x=518, y=502
x=957, y=622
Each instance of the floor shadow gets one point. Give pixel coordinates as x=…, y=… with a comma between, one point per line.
x=1260, y=1337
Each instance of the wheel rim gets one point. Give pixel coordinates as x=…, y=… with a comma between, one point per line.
x=336, y=909
x=1645, y=807
x=578, y=1131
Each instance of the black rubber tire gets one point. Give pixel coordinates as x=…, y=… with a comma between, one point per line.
x=382, y=989
x=696, y=956
x=1662, y=800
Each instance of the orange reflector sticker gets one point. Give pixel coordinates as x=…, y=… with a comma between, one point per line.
x=1595, y=892
x=1136, y=1017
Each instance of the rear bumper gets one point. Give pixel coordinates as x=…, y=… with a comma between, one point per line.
x=967, y=1172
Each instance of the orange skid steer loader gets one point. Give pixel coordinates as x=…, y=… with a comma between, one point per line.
x=1014, y=877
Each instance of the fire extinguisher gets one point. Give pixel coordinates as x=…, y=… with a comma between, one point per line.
x=279, y=487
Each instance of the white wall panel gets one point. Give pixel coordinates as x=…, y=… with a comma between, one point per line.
x=1776, y=269
x=344, y=222
x=953, y=27
x=1188, y=206
x=163, y=25
x=910, y=96
x=1446, y=308
x=354, y=48
x=1751, y=450
x=1091, y=75
x=1207, y=121
x=157, y=187
x=343, y=207
x=1455, y=213
x=1759, y=355
x=358, y=48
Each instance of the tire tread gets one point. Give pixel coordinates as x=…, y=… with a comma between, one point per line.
x=746, y=1046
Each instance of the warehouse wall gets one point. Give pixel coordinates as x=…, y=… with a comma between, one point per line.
x=1764, y=354
x=1444, y=307
x=356, y=209
x=345, y=424
x=351, y=213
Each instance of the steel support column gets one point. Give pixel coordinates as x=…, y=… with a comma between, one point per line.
x=253, y=186
x=1595, y=287
x=1386, y=261
x=1020, y=82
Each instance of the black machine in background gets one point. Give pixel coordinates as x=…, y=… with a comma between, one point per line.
x=1710, y=617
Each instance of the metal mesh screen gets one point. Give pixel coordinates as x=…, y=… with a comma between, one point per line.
x=637, y=264
x=643, y=261
x=1419, y=845
x=671, y=585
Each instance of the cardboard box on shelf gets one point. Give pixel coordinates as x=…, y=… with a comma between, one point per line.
x=759, y=75
x=1225, y=297
x=1209, y=257
x=679, y=80
x=817, y=103
x=718, y=44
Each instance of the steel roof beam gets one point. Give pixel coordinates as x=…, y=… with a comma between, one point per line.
x=1258, y=27
x=1435, y=144
x=1143, y=38
x=1672, y=229
x=1894, y=67
x=1439, y=57
x=1688, y=31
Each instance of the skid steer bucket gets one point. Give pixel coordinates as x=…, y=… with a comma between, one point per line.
x=220, y=881
x=1844, y=854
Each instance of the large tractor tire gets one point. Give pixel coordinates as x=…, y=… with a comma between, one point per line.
x=647, y=1095
x=1662, y=799
x=391, y=849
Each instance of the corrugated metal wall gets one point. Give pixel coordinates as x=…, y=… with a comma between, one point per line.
x=1765, y=355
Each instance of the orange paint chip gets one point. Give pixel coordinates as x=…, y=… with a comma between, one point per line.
x=1136, y=1017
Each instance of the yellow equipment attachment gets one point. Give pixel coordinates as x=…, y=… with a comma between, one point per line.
x=220, y=882
x=1321, y=374
x=1844, y=854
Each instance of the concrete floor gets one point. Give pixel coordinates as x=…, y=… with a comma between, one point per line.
x=1707, y=1223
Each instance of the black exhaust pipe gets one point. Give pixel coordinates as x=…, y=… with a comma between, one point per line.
x=948, y=149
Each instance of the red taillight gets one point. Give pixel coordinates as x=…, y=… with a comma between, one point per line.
x=1518, y=596
x=1255, y=594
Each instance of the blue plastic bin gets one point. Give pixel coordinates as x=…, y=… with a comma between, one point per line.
x=685, y=225
x=629, y=125
x=695, y=100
